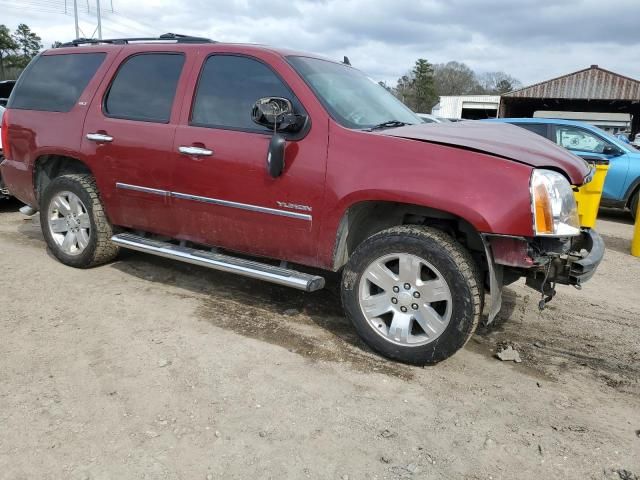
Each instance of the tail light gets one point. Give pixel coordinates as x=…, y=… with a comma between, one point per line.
x=5, y=134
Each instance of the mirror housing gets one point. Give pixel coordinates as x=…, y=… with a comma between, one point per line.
x=275, y=155
x=610, y=150
x=276, y=113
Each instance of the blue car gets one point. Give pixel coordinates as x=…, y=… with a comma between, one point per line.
x=622, y=185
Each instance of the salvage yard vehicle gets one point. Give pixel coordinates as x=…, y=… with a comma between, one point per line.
x=252, y=160
x=6, y=86
x=622, y=185
x=4, y=193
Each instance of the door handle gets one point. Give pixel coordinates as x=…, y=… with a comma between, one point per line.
x=195, y=151
x=99, y=137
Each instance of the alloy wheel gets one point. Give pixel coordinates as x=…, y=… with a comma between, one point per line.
x=69, y=223
x=405, y=299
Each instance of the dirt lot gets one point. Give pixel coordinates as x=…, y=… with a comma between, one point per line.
x=146, y=368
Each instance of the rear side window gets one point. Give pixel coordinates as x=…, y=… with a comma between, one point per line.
x=53, y=83
x=539, y=128
x=144, y=87
x=228, y=87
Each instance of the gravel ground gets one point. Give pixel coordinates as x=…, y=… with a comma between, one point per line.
x=146, y=368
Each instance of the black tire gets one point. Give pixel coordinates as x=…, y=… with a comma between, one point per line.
x=456, y=266
x=99, y=249
x=633, y=205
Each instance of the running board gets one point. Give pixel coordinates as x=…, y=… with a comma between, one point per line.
x=218, y=261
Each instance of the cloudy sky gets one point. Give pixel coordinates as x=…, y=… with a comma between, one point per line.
x=532, y=40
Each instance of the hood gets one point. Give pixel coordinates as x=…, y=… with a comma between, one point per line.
x=499, y=139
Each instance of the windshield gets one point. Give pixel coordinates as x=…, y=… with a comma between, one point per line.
x=352, y=99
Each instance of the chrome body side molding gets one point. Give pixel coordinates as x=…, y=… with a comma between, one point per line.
x=217, y=201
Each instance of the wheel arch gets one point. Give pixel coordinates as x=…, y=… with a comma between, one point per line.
x=365, y=218
x=633, y=189
x=46, y=167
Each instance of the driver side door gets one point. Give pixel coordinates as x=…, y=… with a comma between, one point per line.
x=222, y=192
x=587, y=145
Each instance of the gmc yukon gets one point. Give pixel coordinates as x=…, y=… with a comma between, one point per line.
x=253, y=160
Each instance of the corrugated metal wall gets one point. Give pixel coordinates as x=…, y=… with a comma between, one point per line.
x=590, y=84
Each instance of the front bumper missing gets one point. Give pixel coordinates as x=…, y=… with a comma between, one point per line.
x=573, y=267
x=544, y=263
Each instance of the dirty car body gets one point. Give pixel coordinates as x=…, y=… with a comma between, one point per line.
x=301, y=161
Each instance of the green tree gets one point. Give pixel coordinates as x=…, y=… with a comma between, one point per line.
x=424, y=91
x=404, y=89
x=29, y=44
x=455, y=78
x=384, y=85
x=56, y=44
x=8, y=47
x=497, y=83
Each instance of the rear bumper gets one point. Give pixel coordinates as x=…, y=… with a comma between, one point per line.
x=18, y=180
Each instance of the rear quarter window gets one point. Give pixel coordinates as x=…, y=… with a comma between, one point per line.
x=53, y=83
x=538, y=128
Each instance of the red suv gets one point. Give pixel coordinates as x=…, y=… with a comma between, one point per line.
x=250, y=159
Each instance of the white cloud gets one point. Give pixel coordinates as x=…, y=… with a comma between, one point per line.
x=530, y=39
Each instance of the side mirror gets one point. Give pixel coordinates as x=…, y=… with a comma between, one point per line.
x=275, y=155
x=611, y=150
x=276, y=113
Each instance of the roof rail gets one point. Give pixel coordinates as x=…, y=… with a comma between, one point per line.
x=172, y=37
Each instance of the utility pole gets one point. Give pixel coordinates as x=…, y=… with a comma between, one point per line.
x=99, y=20
x=75, y=15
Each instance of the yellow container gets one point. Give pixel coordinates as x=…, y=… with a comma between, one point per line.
x=635, y=242
x=588, y=195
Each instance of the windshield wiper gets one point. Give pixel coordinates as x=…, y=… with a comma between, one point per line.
x=388, y=124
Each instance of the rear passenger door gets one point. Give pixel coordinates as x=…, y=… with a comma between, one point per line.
x=225, y=197
x=128, y=135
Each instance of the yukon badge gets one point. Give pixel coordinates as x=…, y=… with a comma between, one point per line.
x=294, y=206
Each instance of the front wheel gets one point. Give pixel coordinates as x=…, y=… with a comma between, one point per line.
x=634, y=204
x=412, y=293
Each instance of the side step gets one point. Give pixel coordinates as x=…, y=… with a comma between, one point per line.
x=218, y=261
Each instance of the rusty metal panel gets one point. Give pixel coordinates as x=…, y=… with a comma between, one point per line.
x=589, y=84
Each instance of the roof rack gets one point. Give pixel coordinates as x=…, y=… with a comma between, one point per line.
x=175, y=37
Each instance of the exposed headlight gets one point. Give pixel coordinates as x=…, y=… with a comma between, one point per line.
x=554, y=206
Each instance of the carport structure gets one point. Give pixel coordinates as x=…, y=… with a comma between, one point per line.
x=593, y=89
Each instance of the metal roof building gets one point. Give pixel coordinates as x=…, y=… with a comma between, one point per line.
x=593, y=89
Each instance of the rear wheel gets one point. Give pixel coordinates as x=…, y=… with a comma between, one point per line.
x=74, y=224
x=634, y=204
x=412, y=293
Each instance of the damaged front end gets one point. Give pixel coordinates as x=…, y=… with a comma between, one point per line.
x=543, y=261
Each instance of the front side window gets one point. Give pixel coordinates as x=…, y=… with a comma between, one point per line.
x=228, y=87
x=54, y=83
x=351, y=98
x=144, y=87
x=573, y=138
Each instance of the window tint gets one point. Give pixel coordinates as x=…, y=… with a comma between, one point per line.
x=54, y=83
x=144, y=87
x=228, y=88
x=539, y=128
x=573, y=138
